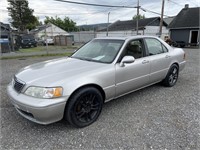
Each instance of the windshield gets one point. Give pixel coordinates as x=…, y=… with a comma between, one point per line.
x=99, y=50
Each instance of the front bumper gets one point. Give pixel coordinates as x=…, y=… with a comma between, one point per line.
x=42, y=111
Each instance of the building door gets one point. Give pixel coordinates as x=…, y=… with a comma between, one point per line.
x=194, y=36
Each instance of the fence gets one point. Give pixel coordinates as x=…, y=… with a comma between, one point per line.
x=83, y=36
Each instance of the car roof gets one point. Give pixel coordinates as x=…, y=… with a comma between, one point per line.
x=126, y=37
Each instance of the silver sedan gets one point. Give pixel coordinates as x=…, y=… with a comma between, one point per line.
x=75, y=88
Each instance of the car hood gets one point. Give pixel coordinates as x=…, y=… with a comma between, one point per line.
x=50, y=72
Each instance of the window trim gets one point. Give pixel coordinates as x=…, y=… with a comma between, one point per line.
x=124, y=49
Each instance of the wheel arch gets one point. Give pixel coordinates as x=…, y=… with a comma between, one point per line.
x=175, y=63
x=89, y=85
x=172, y=63
x=66, y=114
x=165, y=81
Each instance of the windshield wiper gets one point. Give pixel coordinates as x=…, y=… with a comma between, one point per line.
x=78, y=58
x=88, y=59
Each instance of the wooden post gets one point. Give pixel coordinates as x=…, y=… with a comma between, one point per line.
x=107, y=24
x=161, y=18
x=137, y=19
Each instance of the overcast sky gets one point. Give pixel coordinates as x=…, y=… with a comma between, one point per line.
x=91, y=15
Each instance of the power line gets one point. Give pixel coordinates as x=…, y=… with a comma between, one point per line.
x=182, y=5
x=114, y=19
x=98, y=5
x=113, y=8
x=175, y=3
x=105, y=10
x=193, y=3
x=146, y=10
x=55, y=13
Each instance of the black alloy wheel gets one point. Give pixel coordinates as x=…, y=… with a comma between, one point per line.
x=172, y=76
x=84, y=107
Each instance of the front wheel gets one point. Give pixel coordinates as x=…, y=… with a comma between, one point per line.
x=172, y=76
x=84, y=107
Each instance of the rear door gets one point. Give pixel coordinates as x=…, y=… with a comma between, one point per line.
x=159, y=57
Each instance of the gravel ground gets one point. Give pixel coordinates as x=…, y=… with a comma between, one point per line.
x=153, y=118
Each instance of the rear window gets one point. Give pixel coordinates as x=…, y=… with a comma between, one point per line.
x=155, y=47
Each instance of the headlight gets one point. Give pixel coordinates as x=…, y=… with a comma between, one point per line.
x=41, y=92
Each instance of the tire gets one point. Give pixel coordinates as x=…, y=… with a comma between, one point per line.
x=182, y=46
x=172, y=76
x=84, y=107
x=174, y=44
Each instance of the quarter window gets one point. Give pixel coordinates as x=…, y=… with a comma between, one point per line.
x=155, y=47
x=164, y=49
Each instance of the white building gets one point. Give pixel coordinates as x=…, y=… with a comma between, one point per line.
x=49, y=30
x=147, y=26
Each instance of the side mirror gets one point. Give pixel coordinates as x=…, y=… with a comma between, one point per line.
x=126, y=60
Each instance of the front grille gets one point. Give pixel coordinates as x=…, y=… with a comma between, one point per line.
x=18, y=85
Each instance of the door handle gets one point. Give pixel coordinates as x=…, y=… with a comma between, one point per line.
x=167, y=56
x=145, y=61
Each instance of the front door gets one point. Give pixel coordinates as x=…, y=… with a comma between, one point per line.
x=134, y=75
x=194, y=37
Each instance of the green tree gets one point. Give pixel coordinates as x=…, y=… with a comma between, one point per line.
x=22, y=16
x=34, y=24
x=66, y=24
x=139, y=17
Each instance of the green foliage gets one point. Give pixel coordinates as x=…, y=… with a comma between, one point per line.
x=34, y=24
x=66, y=24
x=22, y=16
x=139, y=17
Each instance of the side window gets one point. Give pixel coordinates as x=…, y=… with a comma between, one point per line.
x=155, y=47
x=135, y=49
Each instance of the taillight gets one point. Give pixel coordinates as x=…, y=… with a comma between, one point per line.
x=184, y=56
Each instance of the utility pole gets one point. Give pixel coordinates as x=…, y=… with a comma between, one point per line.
x=161, y=18
x=108, y=24
x=137, y=20
x=46, y=39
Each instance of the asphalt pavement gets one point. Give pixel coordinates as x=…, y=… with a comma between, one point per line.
x=152, y=118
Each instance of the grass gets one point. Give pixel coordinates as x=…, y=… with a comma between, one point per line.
x=52, y=51
x=33, y=56
x=44, y=48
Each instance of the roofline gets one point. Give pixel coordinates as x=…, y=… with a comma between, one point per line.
x=133, y=29
x=7, y=26
x=152, y=20
x=185, y=27
x=174, y=20
x=126, y=37
x=155, y=18
x=45, y=27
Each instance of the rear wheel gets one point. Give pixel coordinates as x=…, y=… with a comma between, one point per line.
x=172, y=76
x=84, y=107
